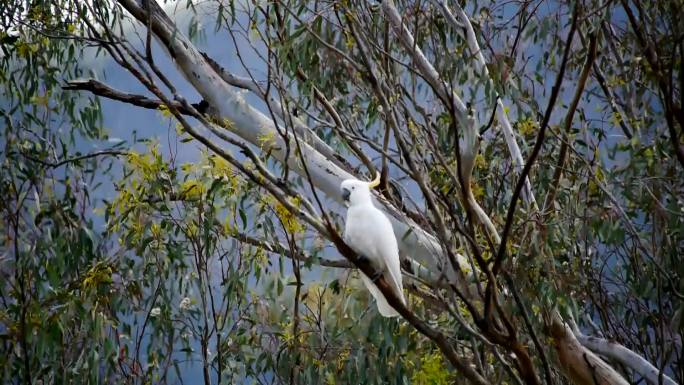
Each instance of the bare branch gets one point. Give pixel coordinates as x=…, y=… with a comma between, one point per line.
x=100, y=89
x=299, y=255
x=501, y=253
x=625, y=356
x=591, y=55
x=75, y=158
x=481, y=67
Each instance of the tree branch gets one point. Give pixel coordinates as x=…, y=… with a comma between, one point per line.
x=302, y=130
x=74, y=159
x=591, y=55
x=501, y=253
x=481, y=67
x=580, y=364
x=625, y=356
x=100, y=89
x=282, y=249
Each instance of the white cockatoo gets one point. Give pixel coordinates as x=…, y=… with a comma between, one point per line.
x=369, y=233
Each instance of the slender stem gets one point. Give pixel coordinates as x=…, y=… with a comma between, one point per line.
x=501, y=253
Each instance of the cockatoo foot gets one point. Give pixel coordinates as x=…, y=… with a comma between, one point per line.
x=374, y=278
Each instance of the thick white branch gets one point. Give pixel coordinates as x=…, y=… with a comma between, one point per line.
x=470, y=148
x=625, y=356
x=304, y=132
x=426, y=69
x=580, y=364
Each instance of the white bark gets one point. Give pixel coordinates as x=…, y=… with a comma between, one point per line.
x=425, y=67
x=625, y=356
x=579, y=364
x=304, y=132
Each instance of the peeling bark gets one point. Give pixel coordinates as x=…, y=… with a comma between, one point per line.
x=578, y=363
x=625, y=356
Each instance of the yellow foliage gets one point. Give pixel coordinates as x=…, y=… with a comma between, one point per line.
x=260, y=256
x=155, y=229
x=228, y=228
x=615, y=119
x=41, y=100
x=478, y=190
x=180, y=130
x=329, y=376
x=165, y=111
x=122, y=202
x=615, y=81
x=137, y=230
x=192, y=230
x=192, y=189
x=349, y=42
x=412, y=127
x=148, y=165
x=266, y=141
x=99, y=273
x=432, y=371
x=145, y=167
x=480, y=161
x=527, y=126
x=188, y=167
x=599, y=175
x=342, y=359
x=25, y=49
x=536, y=310
x=463, y=310
x=290, y=221
x=221, y=168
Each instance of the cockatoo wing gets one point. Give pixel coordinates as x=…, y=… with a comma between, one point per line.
x=370, y=233
x=389, y=250
x=385, y=309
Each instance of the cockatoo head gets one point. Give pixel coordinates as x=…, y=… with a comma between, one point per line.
x=356, y=192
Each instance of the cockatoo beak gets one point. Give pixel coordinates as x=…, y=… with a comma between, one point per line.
x=345, y=195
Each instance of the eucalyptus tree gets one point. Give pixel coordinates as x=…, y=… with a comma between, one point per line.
x=531, y=164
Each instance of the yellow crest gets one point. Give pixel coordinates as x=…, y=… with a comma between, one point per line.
x=375, y=182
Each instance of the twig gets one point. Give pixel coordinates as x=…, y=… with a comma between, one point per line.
x=501, y=253
x=100, y=89
x=74, y=159
x=591, y=55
